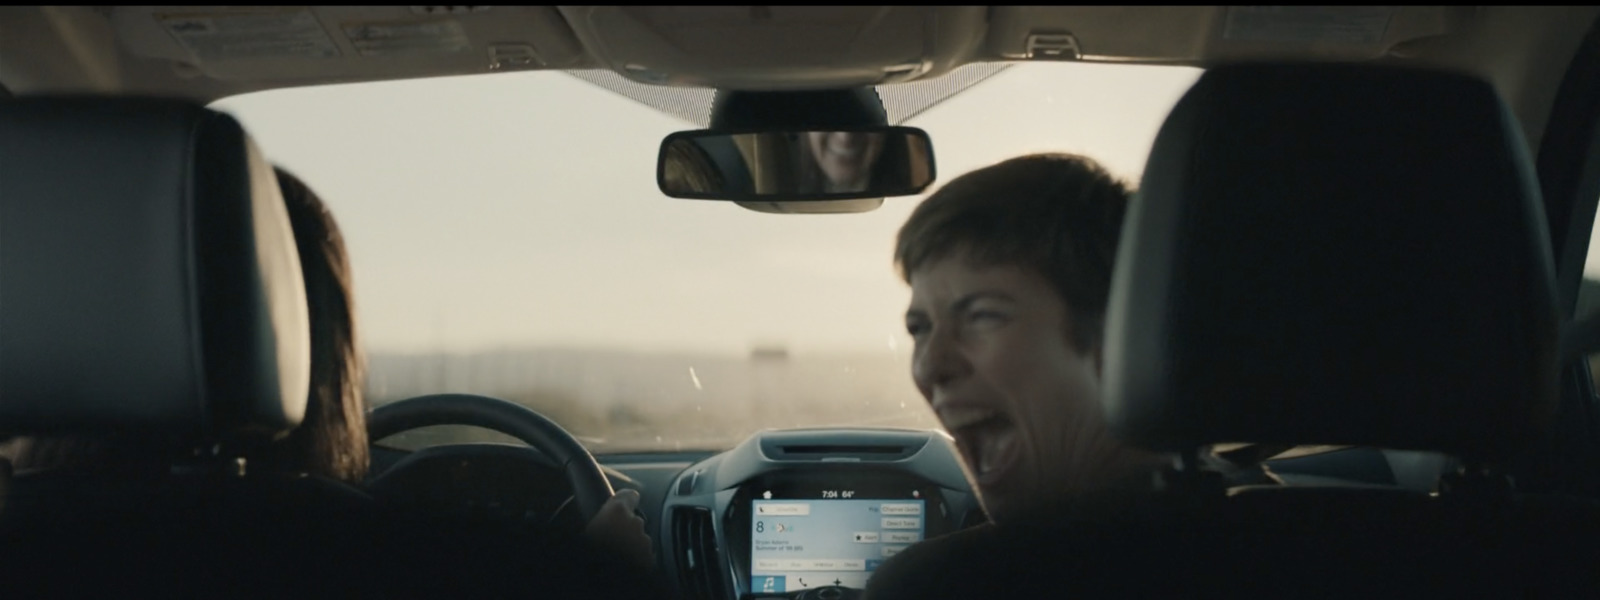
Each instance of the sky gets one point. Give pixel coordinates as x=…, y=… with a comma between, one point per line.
x=520, y=210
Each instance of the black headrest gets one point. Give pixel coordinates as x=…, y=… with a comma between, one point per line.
x=1334, y=254
x=149, y=281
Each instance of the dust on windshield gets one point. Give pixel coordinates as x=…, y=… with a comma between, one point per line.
x=507, y=239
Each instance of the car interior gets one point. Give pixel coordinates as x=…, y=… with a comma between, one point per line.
x=1358, y=262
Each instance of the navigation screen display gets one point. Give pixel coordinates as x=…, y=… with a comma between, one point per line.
x=837, y=540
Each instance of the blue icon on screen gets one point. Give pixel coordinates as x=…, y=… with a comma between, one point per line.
x=872, y=564
x=767, y=584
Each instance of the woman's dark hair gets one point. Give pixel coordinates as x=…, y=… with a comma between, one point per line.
x=689, y=168
x=332, y=439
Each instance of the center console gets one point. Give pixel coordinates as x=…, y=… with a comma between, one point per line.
x=811, y=513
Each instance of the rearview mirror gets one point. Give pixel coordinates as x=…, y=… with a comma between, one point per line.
x=790, y=166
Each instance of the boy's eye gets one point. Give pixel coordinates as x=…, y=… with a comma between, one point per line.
x=987, y=319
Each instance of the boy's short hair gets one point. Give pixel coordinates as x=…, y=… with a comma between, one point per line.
x=1059, y=214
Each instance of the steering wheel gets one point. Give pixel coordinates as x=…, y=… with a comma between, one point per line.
x=590, y=488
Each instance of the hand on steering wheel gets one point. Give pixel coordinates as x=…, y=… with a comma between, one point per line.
x=619, y=528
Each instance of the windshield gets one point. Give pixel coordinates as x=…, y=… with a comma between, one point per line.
x=508, y=239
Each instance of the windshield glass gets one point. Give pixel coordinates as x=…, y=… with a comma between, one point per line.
x=508, y=239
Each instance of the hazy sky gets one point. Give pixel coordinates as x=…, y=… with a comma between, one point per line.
x=521, y=209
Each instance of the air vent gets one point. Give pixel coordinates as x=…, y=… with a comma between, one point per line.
x=699, y=575
x=687, y=482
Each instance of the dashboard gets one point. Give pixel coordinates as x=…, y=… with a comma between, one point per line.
x=803, y=514
x=810, y=513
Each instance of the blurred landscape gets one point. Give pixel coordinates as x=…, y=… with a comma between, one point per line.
x=619, y=401
x=616, y=401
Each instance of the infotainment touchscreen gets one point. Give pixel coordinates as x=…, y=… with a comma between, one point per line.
x=837, y=539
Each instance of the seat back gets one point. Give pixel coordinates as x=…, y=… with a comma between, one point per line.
x=156, y=326
x=1345, y=255
x=152, y=301
x=149, y=283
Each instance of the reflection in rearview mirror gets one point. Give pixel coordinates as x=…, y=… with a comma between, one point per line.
x=796, y=165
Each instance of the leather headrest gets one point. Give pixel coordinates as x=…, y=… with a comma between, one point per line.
x=1334, y=254
x=149, y=281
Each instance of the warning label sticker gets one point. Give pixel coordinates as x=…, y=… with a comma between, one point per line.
x=404, y=38
x=1308, y=24
x=232, y=36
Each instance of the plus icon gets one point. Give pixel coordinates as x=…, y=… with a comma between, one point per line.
x=836, y=582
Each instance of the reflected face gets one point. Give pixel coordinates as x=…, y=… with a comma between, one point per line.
x=845, y=157
x=994, y=358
